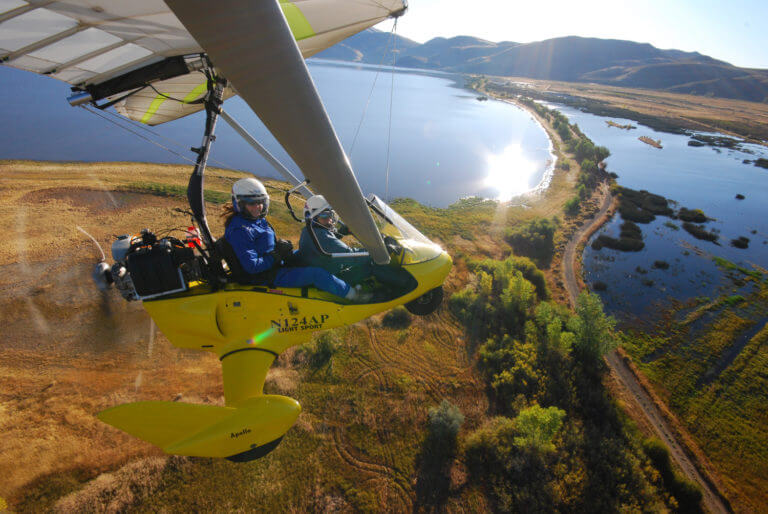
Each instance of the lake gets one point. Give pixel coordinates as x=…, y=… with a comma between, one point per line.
x=703, y=178
x=445, y=144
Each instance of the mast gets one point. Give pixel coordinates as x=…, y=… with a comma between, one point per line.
x=195, y=191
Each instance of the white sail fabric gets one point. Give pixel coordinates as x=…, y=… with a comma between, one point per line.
x=86, y=42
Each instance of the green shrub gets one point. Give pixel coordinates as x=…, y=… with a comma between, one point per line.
x=623, y=244
x=537, y=427
x=693, y=215
x=742, y=242
x=699, y=232
x=630, y=230
x=534, y=239
x=398, y=318
x=443, y=424
x=490, y=447
x=633, y=213
x=572, y=206
x=687, y=494
x=318, y=354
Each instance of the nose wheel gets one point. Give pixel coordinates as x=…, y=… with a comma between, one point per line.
x=426, y=303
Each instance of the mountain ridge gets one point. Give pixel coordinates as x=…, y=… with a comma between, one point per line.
x=613, y=62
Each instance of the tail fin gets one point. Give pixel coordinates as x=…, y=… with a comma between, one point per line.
x=249, y=431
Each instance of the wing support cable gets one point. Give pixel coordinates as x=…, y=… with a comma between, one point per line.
x=391, y=105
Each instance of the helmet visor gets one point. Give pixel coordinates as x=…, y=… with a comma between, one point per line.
x=245, y=201
x=327, y=214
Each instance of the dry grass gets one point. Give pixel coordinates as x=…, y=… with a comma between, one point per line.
x=689, y=111
x=69, y=352
x=119, y=491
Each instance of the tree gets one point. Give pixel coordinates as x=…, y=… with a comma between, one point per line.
x=537, y=427
x=534, y=239
x=444, y=423
x=512, y=368
x=434, y=461
x=601, y=153
x=594, y=330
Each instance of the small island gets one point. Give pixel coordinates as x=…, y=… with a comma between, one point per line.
x=654, y=143
x=628, y=126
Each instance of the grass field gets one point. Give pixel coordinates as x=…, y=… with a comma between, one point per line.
x=664, y=111
x=709, y=363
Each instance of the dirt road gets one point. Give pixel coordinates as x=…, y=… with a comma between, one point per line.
x=573, y=283
x=625, y=376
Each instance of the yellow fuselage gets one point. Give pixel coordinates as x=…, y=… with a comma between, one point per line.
x=247, y=327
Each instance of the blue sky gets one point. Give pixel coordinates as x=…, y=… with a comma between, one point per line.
x=734, y=31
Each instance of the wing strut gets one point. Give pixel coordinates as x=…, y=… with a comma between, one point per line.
x=285, y=172
x=251, y=44
x=195, y=195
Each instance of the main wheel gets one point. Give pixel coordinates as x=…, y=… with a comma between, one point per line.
x=426, y=303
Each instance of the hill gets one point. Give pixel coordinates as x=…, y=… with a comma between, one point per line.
x=571, y=59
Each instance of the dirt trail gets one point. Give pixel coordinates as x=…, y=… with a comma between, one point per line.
x=625, y=377
x=571, y=262
x=394, y=479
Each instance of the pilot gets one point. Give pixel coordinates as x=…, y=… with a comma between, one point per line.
x=253, y=240
x=353, y=269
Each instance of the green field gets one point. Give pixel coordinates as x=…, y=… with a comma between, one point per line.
x=710, y=364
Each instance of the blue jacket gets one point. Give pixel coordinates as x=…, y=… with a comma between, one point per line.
x=253, y=241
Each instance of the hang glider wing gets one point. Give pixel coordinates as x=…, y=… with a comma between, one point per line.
x=145, y=56
x=89, y=42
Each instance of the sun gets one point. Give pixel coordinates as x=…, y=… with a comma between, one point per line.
x=509, y=173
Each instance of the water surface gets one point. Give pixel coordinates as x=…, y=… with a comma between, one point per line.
x=444, y=142
x=697, y=178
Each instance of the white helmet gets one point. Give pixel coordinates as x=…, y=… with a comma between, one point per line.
x=248, y=191
x=317, y=205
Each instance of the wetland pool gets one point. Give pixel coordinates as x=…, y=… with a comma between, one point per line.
x=703, y=177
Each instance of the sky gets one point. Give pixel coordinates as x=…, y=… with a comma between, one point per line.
x=733, y=31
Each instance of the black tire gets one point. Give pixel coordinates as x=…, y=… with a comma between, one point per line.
x=426, y=303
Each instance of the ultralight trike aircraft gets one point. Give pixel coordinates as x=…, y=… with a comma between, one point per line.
x=155, y=61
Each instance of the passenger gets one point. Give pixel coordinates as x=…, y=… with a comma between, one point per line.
x=261, y=255
x=352, y=269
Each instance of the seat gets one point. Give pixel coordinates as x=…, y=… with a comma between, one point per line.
x=236, y=272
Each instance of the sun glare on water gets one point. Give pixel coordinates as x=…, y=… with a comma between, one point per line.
x=509, y=173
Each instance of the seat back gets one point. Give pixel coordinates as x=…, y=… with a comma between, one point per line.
x=237, y=274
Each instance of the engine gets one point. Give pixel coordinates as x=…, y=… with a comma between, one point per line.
x=147, y=267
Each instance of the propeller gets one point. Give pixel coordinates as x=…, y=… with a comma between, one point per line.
x=101, y=274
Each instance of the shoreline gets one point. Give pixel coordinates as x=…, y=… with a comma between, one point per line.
x=684, y=452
